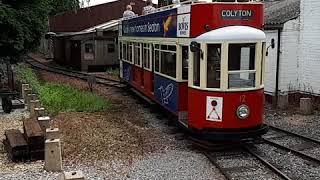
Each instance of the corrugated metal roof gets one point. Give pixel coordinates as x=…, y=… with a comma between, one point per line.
x=281, y=11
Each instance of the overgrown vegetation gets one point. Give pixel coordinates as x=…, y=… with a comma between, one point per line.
x=113, y=71
x=60, y=98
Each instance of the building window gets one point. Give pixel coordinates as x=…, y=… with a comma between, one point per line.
x=137, y=53
x=157, y=58
x=168, y=60
x=196, y=68
x=213, y=65
x=146, y=55
x=111, y=48
x=185, y=61
x=88, y=51
x=241, y=65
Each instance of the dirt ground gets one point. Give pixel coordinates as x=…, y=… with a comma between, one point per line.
x=121, y=132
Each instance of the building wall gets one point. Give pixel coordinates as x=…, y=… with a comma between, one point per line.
x=271, y=63
x=309, y=51
x=288, y=69
x=88, y=17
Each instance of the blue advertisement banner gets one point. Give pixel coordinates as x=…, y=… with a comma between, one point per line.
x=127, y=68
x=166, y=92
x=159, y=24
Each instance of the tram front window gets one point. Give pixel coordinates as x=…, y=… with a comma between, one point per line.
x=213, y=65
x=241, y=65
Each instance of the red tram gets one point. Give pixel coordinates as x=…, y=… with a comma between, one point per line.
x=203, y=62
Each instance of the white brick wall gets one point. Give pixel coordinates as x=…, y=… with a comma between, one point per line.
x=309, y=51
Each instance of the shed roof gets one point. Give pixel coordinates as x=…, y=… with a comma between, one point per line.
x=280, y=11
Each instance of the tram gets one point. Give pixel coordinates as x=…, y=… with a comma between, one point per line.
x=203, y=62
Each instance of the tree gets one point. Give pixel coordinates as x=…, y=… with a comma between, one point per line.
x=23, y=23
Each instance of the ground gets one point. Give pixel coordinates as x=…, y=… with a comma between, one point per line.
x=127, y=141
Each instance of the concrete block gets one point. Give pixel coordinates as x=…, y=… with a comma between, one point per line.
x=283, y=101
x=305, y=105
x=40, y=111
x=33, y=104
x=72, y=175
x=23, y=88
x=30, y=97
x=52, y=157
x=44, y=122
x=26, y=92
x=52, y=133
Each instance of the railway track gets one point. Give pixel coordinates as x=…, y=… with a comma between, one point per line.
x=75, y=74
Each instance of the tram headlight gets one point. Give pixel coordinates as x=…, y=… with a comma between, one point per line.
x=243, y=111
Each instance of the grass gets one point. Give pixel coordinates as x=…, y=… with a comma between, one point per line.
x=113, y=71
x=62, y=98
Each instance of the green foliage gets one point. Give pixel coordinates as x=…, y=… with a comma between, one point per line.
x=61, y=98
x=23, y=22
x=113, y=71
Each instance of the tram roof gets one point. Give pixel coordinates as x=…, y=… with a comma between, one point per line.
x=232, y=33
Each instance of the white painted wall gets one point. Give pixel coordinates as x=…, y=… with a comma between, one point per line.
x=309, y=51
x=271, y=63
x=288, y=67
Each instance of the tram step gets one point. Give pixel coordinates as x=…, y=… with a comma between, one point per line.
x=16, y=145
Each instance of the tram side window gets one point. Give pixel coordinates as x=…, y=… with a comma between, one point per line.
x=156, y=58
x=130, y=52
x=137, y=53
x=185, y=60
x=168, y=60
x=241, y=65
x=120, y=52
x=213, y=65
x=196, y=68
x=146, y=55
x=124, y=54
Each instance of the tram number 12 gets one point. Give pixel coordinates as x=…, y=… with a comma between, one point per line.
x=243, y=98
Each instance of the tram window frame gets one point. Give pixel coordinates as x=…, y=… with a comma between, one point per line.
x=168, y=60
x=137, y=53
x=157, y=56
x=120, y=50
x=242, y=77
x=214, y=66
x=146, y=55
x=263, y=57
x=185, y=62
x=196, y=67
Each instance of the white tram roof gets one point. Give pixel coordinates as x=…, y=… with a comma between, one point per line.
x=232, y=33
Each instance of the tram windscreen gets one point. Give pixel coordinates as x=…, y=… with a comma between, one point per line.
x=241, y=65
x=213, y=65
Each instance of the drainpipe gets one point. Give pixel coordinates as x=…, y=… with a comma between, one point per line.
x=277, y=69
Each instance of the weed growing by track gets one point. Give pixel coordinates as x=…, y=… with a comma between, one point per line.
x=113, y=71
x=61, y=98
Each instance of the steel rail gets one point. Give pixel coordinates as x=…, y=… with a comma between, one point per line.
x=69, y=70
x=292, y=150
x=272, y=167
x=66, y=73
x=295, y=134
x=215, y=163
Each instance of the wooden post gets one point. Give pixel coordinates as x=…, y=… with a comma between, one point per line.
x=305, y=105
